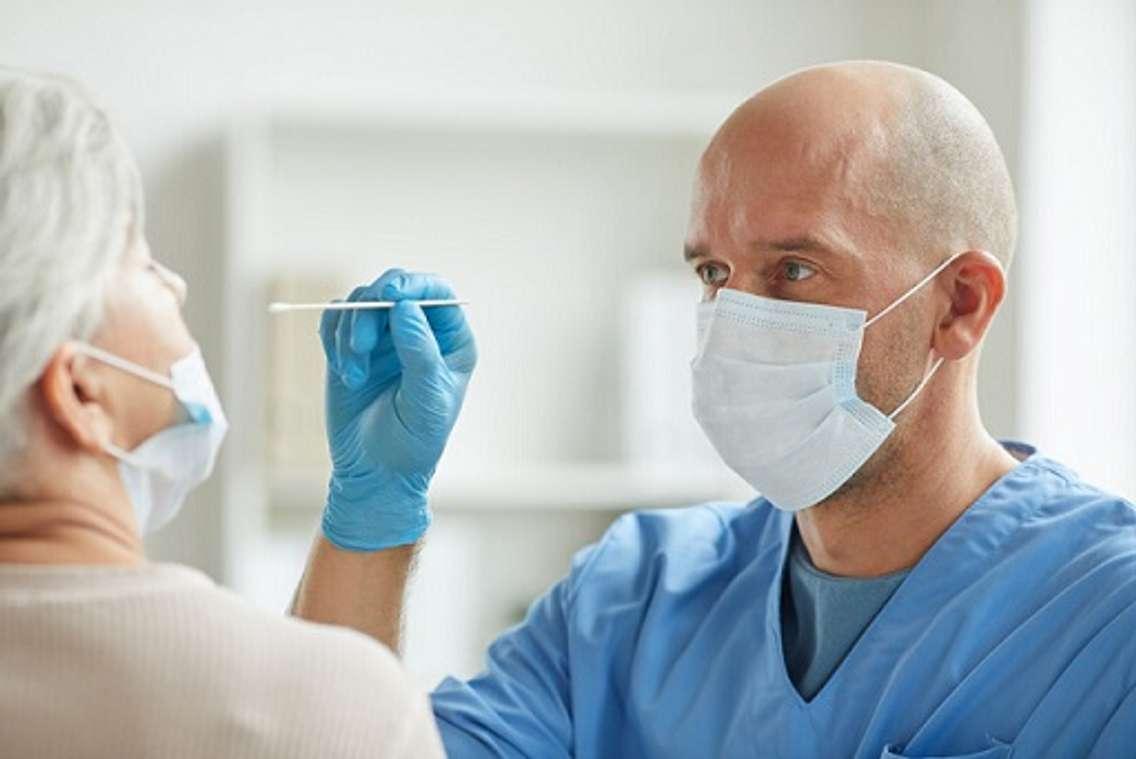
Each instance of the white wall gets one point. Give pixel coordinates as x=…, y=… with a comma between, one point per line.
x=175, y=73
x=1079, y=261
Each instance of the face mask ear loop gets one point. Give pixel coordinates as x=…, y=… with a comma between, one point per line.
x=127, y=366
x=915, y=393
x=918, y=286
x=123, y=455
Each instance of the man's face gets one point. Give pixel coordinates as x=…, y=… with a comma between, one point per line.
x=780, y=210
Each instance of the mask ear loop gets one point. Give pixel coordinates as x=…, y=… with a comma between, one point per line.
x=915, y=393
x=123, y=455
x=129, y=367
x=895, y=304
x=918, y=286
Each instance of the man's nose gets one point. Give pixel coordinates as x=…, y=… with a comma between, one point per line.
x=747, y=282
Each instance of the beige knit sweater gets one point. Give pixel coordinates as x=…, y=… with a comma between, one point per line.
x=158, y=661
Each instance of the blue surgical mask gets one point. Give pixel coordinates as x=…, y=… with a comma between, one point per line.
x=774, y=389
x=160, y=472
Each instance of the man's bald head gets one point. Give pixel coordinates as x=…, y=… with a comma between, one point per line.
x=904, y=155
x=846, y=185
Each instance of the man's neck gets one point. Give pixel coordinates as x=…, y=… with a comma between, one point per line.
x=876, y=529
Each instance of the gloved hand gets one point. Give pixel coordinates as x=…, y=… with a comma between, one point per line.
x=395, y=384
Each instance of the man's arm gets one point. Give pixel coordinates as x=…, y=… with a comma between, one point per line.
x=361, y=590
x=395, y=383
x=520, y=706
x=1119, y=732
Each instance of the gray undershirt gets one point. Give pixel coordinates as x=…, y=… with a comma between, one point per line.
x=823, y=615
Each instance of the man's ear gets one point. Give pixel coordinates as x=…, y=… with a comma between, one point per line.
x=976, y=284
x=72, y=393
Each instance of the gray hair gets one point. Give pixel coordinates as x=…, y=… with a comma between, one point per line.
x=70, y=201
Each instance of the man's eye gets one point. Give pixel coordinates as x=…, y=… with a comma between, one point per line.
x=713, y=275
x=795, y=271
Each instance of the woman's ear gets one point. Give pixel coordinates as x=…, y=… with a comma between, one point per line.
x=72, y=393
x=976, y=284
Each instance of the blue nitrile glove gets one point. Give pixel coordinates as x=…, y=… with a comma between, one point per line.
x=395, y=383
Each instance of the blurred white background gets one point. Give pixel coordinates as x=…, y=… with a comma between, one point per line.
x=539, y=155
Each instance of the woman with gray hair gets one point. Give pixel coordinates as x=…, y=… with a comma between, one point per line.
x=109, y=421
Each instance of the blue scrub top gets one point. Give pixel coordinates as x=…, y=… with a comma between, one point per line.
x=1013, y=634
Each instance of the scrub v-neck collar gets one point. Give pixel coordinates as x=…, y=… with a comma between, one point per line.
x=961, y=554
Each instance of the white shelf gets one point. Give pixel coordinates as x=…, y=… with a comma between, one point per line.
x=585, y=487
x=645, y=114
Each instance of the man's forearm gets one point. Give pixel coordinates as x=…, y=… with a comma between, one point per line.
x=361, y=590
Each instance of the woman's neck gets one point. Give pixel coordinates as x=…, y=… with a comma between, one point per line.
x=66, y=532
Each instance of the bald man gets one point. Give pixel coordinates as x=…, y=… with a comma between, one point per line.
x=906, y=586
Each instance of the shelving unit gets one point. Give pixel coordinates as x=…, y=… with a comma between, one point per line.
x=548, y=213
x=604, y=488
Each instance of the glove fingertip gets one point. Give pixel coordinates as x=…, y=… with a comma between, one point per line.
x=391, y=291
x=364, y=334
x=329, y=325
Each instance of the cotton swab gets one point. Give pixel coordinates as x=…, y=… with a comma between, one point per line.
x=279, y=308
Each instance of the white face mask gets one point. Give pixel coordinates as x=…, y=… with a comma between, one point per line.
x=164, y=468
x=774, y=389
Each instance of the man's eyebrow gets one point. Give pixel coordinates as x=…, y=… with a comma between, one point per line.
x=803, y=243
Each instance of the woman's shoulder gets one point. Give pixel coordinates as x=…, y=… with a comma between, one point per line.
x=319, y=678
x=178, y=611
x=257, y=636
x=169, y=641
